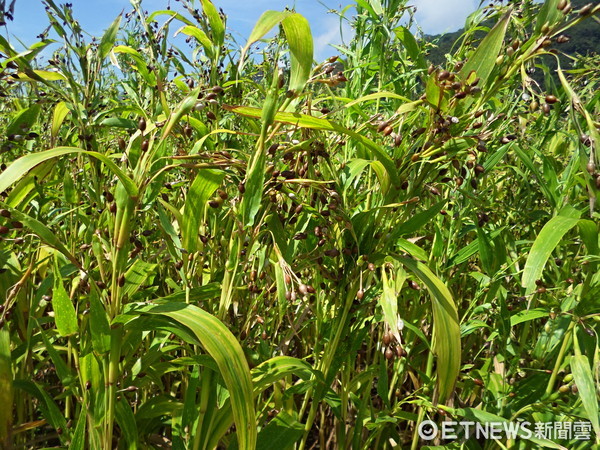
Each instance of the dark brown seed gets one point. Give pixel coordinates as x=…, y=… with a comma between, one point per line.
x=113, y=207
x=16, y=224
x=586, y=10
x=222, y=194
x=473, y=183
x=214, y=204
x=333, y=253
x=241, y=187
x=179, y=264
x=142, y=124
x=443, y=75
x=387, y=131
x=541, y=290
x=539, y=283
x=4, y=230
x=570, y=281
x=387, y=338
x=478, y=382
x=5, y=213
x=211, y=115
x=546, y=108
x=561, y=5
x=389, y=354
x=382, y=126
x=88, y=385
x=263, y=335
x=398, y=140
x=145, y=145
x=121, y=281
x=479, y=169
x=551, y=99
x=122, y=144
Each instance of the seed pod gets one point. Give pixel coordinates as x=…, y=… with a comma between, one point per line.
x=5, y=213
x=389, y=354
x=333, y=253
x=122, y=144
x=16, y=224
x=387, y=338
x=473, y=183
x=121, y=281
x=4, y=230
x=541, y=290
x=360, y=294
x=222, y=194
x=479, y=169
x=397, y=140
x=188, y=130
x=561, y=5
x=303, y=289
x=430, y=69
x=546, y=108
x=382, y=126
x=591, y=167
x=387, y=131
x=551, y=99
x=145, y=145
x=533, y=106
x=586, y=10
x=218, y=90
x=241, y=187
x=443, y=75
x=142, y=124
x=210, y=115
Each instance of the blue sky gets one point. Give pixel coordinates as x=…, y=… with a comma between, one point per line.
x=434, y=16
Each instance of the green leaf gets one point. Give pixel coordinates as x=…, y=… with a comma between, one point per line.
x=281, y=433
x=200, y=36
x=99, y=326
x=203, y=187
x=108, y=38
x=78, y=441
x=445, y=327
x=6, y=385
x=527, y=315
x=411, y=46
x=389, y=301
x=543, y=246
x=299, y=38
x=137, y=275
x=216, y=24
x=24, y=118
x=222, y=345
x=126, y=421
x=265, y=23
x=22, y=165
x=64, y=311
x=483, y=60
x=307, y=121
x=61, y=111
x=582, y=374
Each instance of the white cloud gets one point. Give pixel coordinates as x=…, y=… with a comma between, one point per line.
x=328, y=33
x=439, y=16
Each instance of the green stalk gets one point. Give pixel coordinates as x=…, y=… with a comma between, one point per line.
x=561, y=356
x=415, y=441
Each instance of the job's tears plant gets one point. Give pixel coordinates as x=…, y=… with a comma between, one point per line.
x=204, y=247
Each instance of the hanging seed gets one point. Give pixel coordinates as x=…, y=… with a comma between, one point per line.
x=479, y=169
x=210, y=115
x=121, y=281
x=382, y=126
x=333, y=253
x=122, y=144
x=303, y=289
x=360, y=294
x=541, y=290
x=561, y=5
x=591, y=167
x=397, y=140
x=387, y=338
x=546, y=108
x=241, y=187
x=562, y=39
x=4, y=230
x=586, y=10
x=389, y=354
x=188, y=130
x=551, y=99
x=387, y=131
x=400, y=352
x=443, y=75
x=16, y=224
x=222, y=194
x=473, y=183
x=5, y=213
x=142, y=124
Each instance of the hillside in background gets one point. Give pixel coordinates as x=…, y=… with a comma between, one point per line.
x=584, y=40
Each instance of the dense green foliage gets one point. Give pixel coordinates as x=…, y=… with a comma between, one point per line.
x=203, y=247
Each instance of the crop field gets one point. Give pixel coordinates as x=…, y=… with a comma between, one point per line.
x=207, y=244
